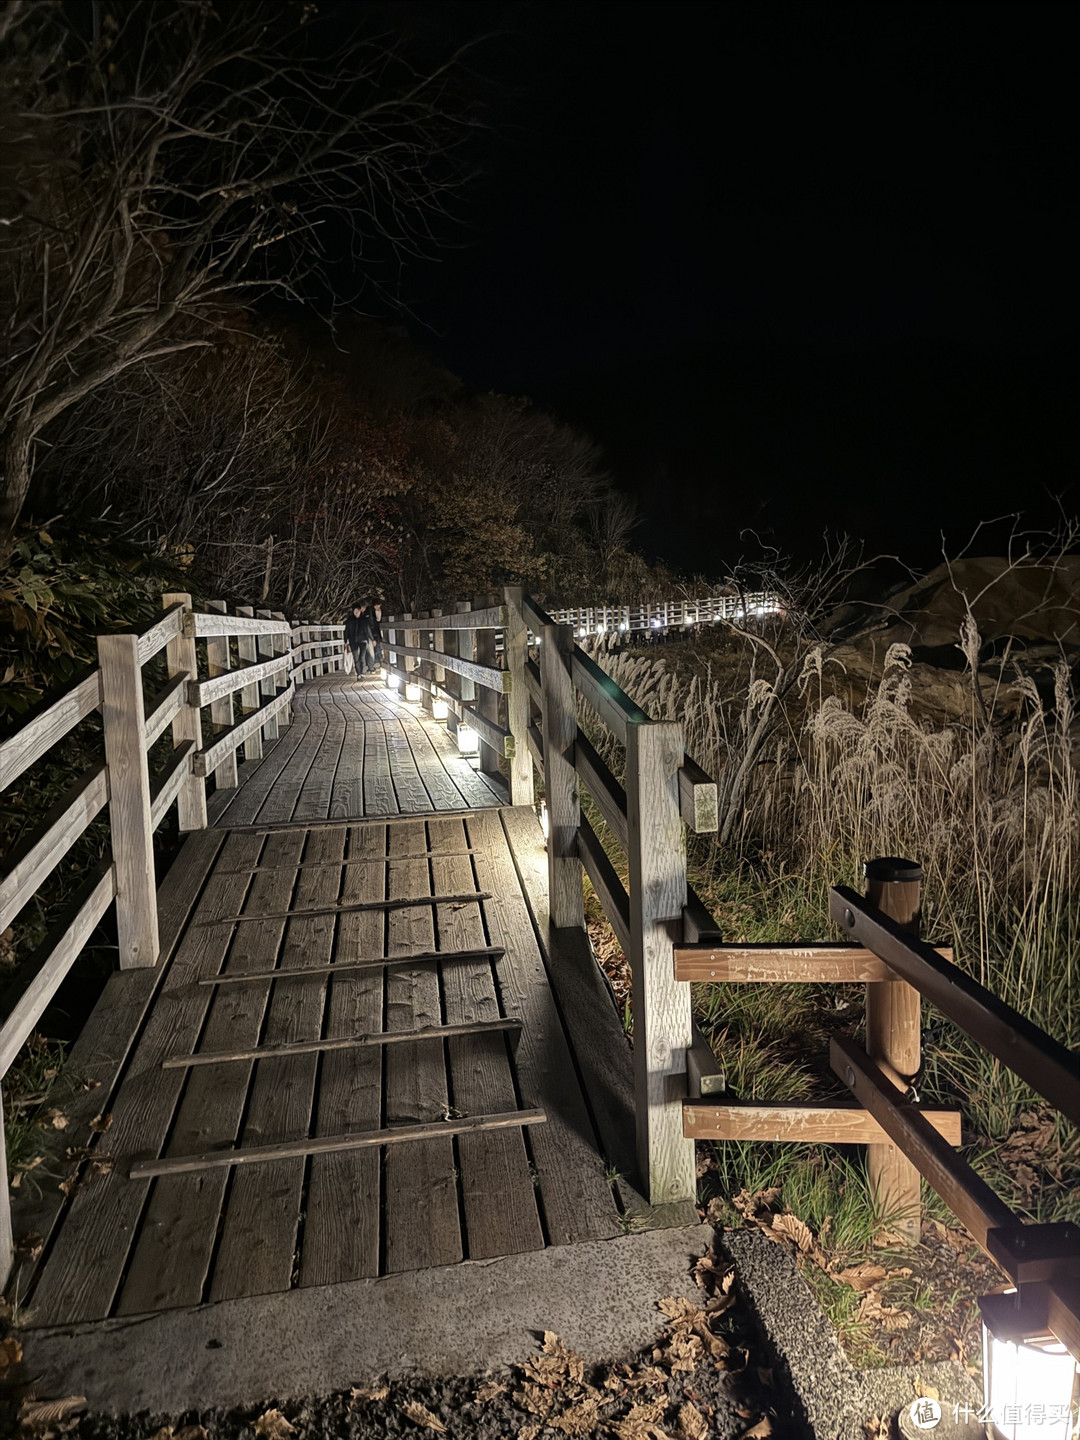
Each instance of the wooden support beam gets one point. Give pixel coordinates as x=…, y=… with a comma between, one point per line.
x=187, y=724
x=1047, y=1066
x=130, y=822
x=329, y=1144
x=656, y=850
x=347, y=1042
x=698, y=926
x=171, y=781
x=345, y=967
x=779, y=964
x=970, y=1198
x=249, y=694
x=697, y=798
x=536, y=747
x=808, y=1124
x=560, y=779
x=7, y=1241
x=219, y=664
x=283, y=647
x=517, y=705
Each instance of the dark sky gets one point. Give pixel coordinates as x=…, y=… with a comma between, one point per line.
x=797, y=266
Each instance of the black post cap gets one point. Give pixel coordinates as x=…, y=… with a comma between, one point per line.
x=891, y=869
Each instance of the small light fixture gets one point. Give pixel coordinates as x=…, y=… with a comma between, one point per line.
x=468, y=741
x=1029, y=1377
x=582, y=632
x=382, y=672
x=412, y=692
x=439, y=709
x=394, y=681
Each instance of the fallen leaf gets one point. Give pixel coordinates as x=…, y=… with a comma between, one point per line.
x=862, y=1277
x=57, y=1119
x=191, y=1432
x=929, y=1391
x=272, y=1425
x=489, y=1390
x=10, y=1353
x=529, y=1432
x=758, y=1431
x=368, y=1392
x=100, y=1123
x=37, y=1414
x=165, y=1433
x=692, y=1424
x=581, y=1419
x=795, y=1229
x=420, y=1415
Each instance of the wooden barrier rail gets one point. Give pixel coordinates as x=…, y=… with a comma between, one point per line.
x=255, y=658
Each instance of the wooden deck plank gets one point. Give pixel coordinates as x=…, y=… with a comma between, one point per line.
x=281, y=801
x=347, y=796
x=444, y=794
x=171, y=1258
x=379, y=797
x=412, y=796
x=422, y=1225
x=244, y=802
x=498, y=1195
x=313, y=802
x=258, y=1238
x=83, y=1272
x=341, y=1237
x=577, y=1200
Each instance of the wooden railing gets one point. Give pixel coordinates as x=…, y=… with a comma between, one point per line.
x=905, y=1141
x=665, y=615
x=253, y=659
x=531, y=720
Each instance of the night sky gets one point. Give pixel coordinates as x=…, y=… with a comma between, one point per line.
x=799, y=267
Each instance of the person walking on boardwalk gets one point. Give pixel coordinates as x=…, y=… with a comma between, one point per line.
x=375, y=619
x=357, y=634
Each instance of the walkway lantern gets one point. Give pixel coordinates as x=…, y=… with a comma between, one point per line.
x=412, y=692
x=468, y=741
x=1029, y=1377
x=439, y=709
x=394, y=681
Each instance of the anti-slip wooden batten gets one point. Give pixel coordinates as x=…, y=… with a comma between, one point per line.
x=333, y=1144
x=307, y=912
x=359, y=967
x=346, y=1042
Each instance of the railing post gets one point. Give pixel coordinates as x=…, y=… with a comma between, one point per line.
x=410, y=639
x=282, y=646
x=565, y=896
x=427, y=668
x=249, y=695
x=517, y=702
x=458, y=642
x=663, y=1033
x=181, y=659
x=487, y=701
x=268, y=687
x=131, y=828
x=7, y=1242
x=221, y=711
x=894, y=1041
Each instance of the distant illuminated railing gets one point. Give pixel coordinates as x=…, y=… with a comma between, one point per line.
x=666, y=615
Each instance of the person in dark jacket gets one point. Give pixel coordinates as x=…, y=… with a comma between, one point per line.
x=357, y=635
x=375, y=615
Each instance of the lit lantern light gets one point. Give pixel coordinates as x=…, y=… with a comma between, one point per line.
x=382, y=672
x=601, y=629
x=1028, y=1378
x=394, y=681
x=582, y=633
x=412, y=692
x=439, y=709
x=468, y=741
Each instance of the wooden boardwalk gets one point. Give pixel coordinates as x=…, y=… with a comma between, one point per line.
x=267, y=1129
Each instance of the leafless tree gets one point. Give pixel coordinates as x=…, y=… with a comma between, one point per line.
x=163, y=159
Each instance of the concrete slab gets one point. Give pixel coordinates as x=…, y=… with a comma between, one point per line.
x=464, y=1319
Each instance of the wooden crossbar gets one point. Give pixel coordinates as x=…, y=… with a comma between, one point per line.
x=352, y=909
x=486, y=952
x=348, y=1042
x=329, y=1144
x=820, y=1124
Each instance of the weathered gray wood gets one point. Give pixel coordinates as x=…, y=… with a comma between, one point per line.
x=615, y=709
x=130, y=819
x=90, y=1252
x=225, y=683
x=487, y=700
x=341, y=1236
x=241, y=623
x=37, y=857
x=498, y=1195
x=167, y=704
x=613, y=898
x=805, y=1124
x=560, y=777
x=219, y=667
x=697, y=798
x=206, y=760
x=37, y=736
x=258, y=1237
x=265, y=647
x=395, y=904
x=422, y=1226
x=516, y=638
x=7, y=1240
x=577, y=1200
x=328, y=1144
x=172, y=1252
x=249, y=694
x=607, y=794
x=656, y=851
x=704, y=1077
x=158, y=635
x=187, y=724
x=532, y=681
x=462, y=617
x=536, y=748
x=472, y=672
x=170, y=782
x=282, y=645
x=345, y=1042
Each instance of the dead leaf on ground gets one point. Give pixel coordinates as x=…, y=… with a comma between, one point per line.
x=165, y=1433
x=758, y=1431
x=529, y=1432
x=100, y=1123
x=191, y=1432
x=10, y=1353
x=272, y=1425
x=489, y=1390
x=37, y=1414
x=692, y=1423
x=929, y=1391
x=421, y=1415
x=56, y=1118
x=794, y=1229
x=649, y=1376
x=368, y=1392
x=556, y=1364
x=861, y=1277
x=581, y=1419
